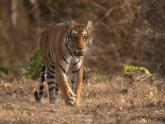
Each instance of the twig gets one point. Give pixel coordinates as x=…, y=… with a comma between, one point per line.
x=105, y=16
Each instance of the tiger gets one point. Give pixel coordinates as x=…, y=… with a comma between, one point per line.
x=63, y=47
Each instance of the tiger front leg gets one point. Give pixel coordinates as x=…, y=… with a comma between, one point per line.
x=77, y=78
x=78, y=85
x=62, y=81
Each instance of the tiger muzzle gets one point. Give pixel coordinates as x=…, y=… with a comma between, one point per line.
x=79, y=52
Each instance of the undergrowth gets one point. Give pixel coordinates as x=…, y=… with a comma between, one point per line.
x=31, y=67
x=135, y=69
x=4, y=70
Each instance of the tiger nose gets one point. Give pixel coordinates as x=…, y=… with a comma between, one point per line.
x=80, y=49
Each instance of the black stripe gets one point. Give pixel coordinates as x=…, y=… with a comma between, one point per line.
x=42, y=78
x=75, y=71
x=51, y=83
x=56, y=89
x=73, y=82
x=50, y=61
x=52, y=55
x=76, y=62
x=56, y=84
x=50, y=64
x=41, y=87
x=42, y=68
x=51, y=67
x=40, y=93
x=51, y=70
x=51, y=76
x=68, y=49
x=51, y=88
x=42, y=73
x=36, y=95
x=61, y=67
x=64, y=58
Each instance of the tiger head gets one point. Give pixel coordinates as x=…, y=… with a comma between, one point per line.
x=79, y=38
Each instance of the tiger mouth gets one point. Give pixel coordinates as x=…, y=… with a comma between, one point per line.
x=79, y=53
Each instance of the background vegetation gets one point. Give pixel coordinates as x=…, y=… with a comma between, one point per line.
x=126, y=32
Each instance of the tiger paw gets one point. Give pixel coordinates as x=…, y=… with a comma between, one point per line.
x=71, y=101
x=52, y=108
x=52, y=100
x=72, y=94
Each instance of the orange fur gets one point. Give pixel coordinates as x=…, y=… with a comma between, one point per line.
x=53, y=38
x=79, y=83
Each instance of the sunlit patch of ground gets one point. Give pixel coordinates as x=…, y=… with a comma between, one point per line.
x=119, y=100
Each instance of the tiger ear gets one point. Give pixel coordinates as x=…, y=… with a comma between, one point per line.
x=89, y=26
x=69, y=24
x=72, y=23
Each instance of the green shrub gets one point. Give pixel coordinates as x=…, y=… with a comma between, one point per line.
x=4, y=70
x=31, y=68
x=134, y=69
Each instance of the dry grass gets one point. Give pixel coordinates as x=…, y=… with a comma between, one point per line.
x=121, y=100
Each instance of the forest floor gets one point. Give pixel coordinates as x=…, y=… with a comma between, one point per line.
x=122, y=99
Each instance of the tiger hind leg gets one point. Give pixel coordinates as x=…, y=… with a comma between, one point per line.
x=52, y=84
x=38, y=94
